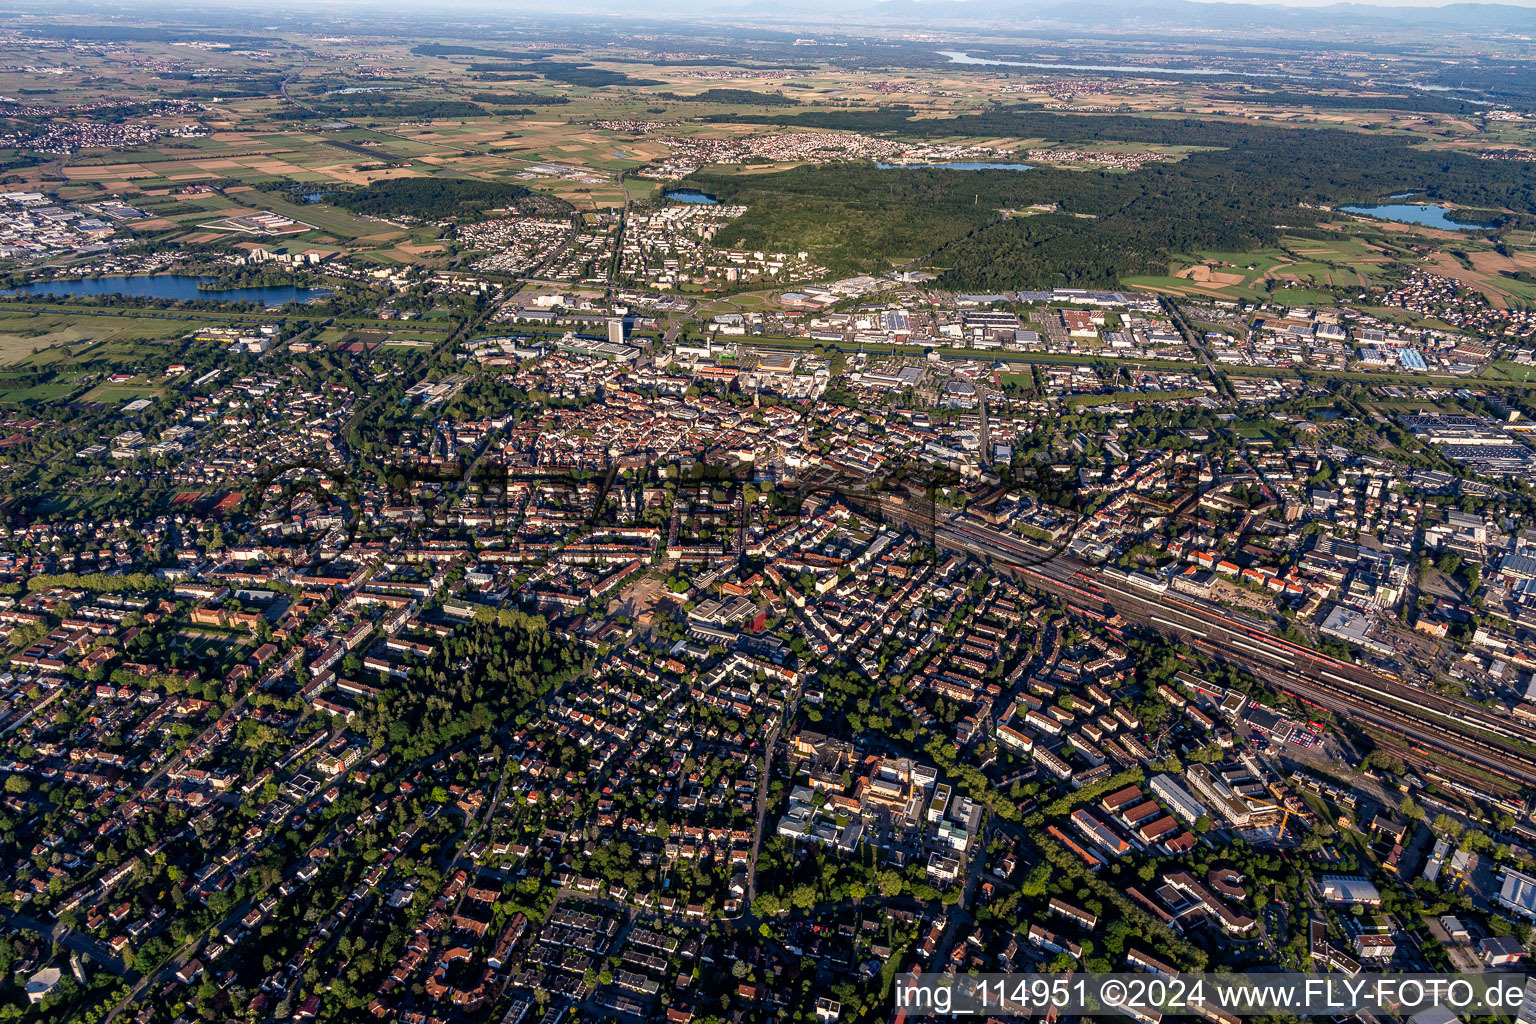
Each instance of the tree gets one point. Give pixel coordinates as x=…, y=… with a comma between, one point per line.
x=1477, y=841
x=17, y=784
x=803, y=897
x=1034, y=885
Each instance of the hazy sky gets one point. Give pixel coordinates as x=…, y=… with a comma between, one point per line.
x=1374, y=3
x=709, y=7
x=1023, y=7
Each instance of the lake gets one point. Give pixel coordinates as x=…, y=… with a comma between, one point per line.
x=955, y=165
x=961, y=57
x=689, y=195
x=179, y=287
x=1413, y=213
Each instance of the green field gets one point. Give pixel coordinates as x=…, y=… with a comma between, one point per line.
x=1300, y=271
x=1503, y=369
x=41, y=338
x=125, y=392
x=13, y=392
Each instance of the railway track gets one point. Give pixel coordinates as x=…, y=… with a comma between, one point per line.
x=1403, y=734
x=1420, y=723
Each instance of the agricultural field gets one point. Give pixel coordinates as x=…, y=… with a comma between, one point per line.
x=313, y=119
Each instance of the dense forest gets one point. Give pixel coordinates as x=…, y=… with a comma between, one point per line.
x=521, y=99
x=857, y=217
x=1108, y=225
x=429, y=198
x=231, y=87
x=456, y=50
x=585, y=74
x=1025, y=121
x=569, y=72
x=736, y=97
x=381, y=106
x=565, y=71
x=1423, y=102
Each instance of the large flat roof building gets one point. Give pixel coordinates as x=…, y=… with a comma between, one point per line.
x=1167, y=789
x=1349, y=889
x=1518, y=893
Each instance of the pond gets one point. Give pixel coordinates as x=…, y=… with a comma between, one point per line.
x=956, y=165
x=1414, y=213
x=179, y=287
x=689, y=195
